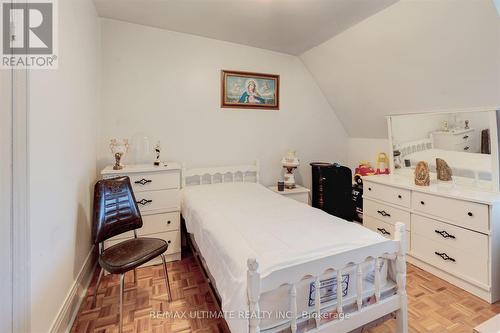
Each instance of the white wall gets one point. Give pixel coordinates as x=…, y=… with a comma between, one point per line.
x=166, y=86
x=365, y=149
x=413, y=56
x=63, y=121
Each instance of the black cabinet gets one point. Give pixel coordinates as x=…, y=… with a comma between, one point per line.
x=332, y=189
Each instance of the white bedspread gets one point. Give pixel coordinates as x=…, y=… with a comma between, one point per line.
x=232, y=222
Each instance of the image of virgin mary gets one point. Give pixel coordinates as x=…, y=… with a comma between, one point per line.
x=251, y=95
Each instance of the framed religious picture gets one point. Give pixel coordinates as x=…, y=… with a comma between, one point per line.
x=250, y=90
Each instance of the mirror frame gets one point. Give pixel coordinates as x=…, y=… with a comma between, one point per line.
x=494, y=120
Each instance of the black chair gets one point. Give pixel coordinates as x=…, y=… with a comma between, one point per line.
x=116, y=212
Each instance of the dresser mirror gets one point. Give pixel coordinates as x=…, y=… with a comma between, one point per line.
x=467, y=141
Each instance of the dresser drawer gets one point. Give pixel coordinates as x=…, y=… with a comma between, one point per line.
x=154, y=200
x=463, y=213
x=383, y=228
x=465, y=138
x=173, y=238
x=390, y=194
x=152, y=224
x=386, y=213
x=155, y=181
x=444, y=233
x=465, y=147
x=469, y=265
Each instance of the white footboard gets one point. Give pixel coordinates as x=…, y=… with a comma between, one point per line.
x=362, y=312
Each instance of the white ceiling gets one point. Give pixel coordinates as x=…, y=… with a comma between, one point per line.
x=289, y=26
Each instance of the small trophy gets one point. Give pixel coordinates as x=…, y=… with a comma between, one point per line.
x=118, y=149
x=157, y=151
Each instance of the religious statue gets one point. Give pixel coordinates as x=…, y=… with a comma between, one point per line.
x=422, y=177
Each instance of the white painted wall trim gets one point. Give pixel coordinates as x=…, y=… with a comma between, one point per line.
x=21, y=281
x=6, y=318
x=69, y=309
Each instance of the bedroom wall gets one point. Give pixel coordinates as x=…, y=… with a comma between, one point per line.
x=166, y=86
x=62, y=145
x=413, y=56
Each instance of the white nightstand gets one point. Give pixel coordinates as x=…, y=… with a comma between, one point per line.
x=298, y=193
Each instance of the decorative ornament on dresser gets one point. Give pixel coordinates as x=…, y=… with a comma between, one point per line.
x=382, y=160
x=118, y=149
x=422, y=177
x=397, y=159
x=443, y=170
x=290, y=162
x=157, y=151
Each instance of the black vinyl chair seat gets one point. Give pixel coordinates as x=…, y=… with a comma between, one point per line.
x=131, y=253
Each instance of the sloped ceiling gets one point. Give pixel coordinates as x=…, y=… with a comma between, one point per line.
x=411, y=57
x=289, y=26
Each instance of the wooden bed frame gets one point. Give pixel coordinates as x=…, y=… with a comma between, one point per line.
x=362, y=313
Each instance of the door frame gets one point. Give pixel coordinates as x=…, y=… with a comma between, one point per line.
x=15, y=178
x=15, y=286
x=6, y=285
x=21, y=257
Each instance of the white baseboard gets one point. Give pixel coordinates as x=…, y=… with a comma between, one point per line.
x=68, y=311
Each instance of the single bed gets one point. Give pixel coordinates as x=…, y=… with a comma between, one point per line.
x=273, y=256
x=470, y=165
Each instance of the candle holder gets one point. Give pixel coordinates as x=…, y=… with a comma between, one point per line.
x=119, y=149
x=290, y=162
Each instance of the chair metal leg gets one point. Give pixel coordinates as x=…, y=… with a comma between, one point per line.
x=101, y=273
x=122, y=289
x=167, y=281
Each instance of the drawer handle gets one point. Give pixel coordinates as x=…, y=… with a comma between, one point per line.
x=369, y=188
x=383, y=213
x=144, y=202
x=444, y=256
x=422, y=203
x=466, y=137
x=399, y=196
x=444, y=234
x=143, y=181
x=466, y=148
x=169, y=242
x=168, y=222
x=383, y=231
x=470, y=214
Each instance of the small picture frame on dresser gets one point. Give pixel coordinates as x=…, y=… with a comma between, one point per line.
x=157, y=194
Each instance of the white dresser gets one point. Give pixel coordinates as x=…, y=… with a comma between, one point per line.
x=466, y=140
x=453, y=231
x=157, y=192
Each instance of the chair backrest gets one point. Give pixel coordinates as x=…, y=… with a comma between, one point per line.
x=115, y=209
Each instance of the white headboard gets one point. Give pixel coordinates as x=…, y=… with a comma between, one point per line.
x=414, y=146
x=225, y=174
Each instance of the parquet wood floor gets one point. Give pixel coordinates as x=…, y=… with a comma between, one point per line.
x=435, y=306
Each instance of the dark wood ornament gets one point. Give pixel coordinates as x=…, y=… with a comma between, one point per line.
x=443, y=170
